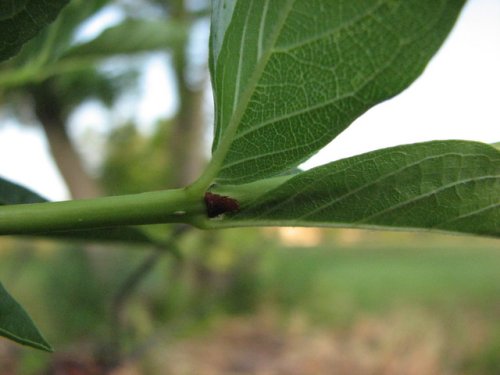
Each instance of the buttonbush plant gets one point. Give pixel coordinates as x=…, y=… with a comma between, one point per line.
x=288, y=76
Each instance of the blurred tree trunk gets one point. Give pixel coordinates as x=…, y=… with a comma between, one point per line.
x=187, y=151
x=187, y=135
x=49, y=111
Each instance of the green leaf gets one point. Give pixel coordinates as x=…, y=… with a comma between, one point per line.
x=9, y=9
x=443, y=185
x=132, y=36
x=290, y=75
x=23, y=20
x=11, y=193
x=47, y=47
x=15, y=323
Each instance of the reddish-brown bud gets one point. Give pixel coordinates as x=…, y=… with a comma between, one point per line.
x=219, y=204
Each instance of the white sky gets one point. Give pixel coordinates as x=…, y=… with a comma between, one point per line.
x=457, y=97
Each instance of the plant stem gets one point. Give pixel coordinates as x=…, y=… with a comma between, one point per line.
x=168, y=206
x=33, y=73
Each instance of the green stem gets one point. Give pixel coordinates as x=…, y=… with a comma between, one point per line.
x=168, y=206
x=33, y=73
x=48, y=45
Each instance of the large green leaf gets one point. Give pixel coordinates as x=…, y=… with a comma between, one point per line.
x=22, y=20
x=444, y=185
x=11, y=193
x=132, y=36
x=290, y=75
x=9, y=9
x=15, y=324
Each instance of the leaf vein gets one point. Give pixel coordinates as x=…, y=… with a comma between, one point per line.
x=371, y=183
x=471, y=213
x=332, y=31
x=428, y=194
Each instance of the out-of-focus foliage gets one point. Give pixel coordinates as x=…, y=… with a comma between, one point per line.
x=333, y=287
x=77, y=87
x=63, y=273
x=136, y=162
x=143, y=36
x=42, y=51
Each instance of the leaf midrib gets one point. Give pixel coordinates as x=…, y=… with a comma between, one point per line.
x=431, y=193
x=246, y=95
x=240, y=59
x=273, y=50
x=23, y=340
x=226, y=140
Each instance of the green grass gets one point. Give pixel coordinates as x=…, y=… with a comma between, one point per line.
x=341, y=282
x=451, y=283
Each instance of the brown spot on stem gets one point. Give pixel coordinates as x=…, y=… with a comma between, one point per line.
x=219, y=204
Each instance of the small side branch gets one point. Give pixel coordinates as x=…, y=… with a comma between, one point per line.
x=132, y=282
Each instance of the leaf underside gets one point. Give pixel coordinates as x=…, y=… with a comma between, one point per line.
x=291, y=75
x=444, y=185
x=22, y=20
x=15, y=324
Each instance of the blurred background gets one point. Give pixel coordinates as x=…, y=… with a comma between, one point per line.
x=115, y=98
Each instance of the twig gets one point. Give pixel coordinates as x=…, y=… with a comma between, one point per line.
x=130, y=285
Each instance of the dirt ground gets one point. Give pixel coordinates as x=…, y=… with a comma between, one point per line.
x=403, y=342
x=394, y=345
